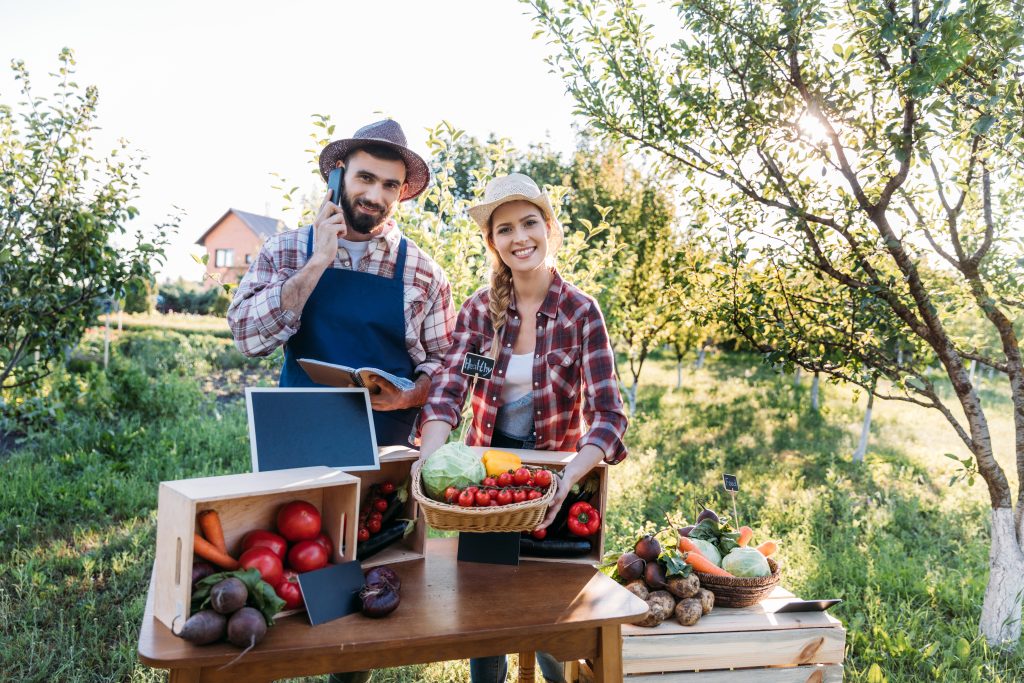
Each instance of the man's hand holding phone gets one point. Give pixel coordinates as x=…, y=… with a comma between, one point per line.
x=328, y=227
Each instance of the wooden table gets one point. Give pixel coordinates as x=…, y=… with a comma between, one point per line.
x=737, y=645
x=449, y=610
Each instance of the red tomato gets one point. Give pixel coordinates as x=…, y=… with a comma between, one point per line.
x=492, y=503
x=259, y=538
x=473, y=489
x=521, y=476
x=490, y=481
x=376, y=515
x=380, y=505
x=482, y=498
x=493, y=493
x=289, y=591
x=504, y=497
x=298, y=521
x=387, y=487
x=306, y=556
x=534, y=494
x=505, y=479
x=363, y=534
x=542, y=478
x=265, y=562
x=451, y=494
x=325, y=543
x=373, y=525
x=466, y=498
x=519, y=496
x=539, y=534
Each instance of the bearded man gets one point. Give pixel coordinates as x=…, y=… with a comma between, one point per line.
x=350, y=289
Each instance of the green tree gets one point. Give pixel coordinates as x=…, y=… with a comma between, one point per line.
x=64, y=240
x=865, y=161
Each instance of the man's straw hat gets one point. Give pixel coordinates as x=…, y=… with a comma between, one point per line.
x=514, y=187
x=390, y=134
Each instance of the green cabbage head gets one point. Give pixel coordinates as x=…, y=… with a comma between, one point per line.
x=746, y=562
x=453, y=464
x=708, y=550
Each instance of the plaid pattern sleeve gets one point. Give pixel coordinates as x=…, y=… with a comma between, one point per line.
x=449, y=386
x=258, y=323
x=602, y=405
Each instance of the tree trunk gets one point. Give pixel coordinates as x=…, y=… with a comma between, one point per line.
x=679, y=374
x=632, y=397
x=700, y=357
x=974, y=368
x=796, y=377
x=815, y=384
x=1001, y=609
x=865, y=431
x=899, y=355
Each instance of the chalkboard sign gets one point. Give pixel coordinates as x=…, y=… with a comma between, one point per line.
x=305, y=427
x=731, y=482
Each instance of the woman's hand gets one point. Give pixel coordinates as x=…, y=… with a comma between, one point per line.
x=584, y=461
x=433, y=435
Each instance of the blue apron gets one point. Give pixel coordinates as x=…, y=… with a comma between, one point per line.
x=356, y=319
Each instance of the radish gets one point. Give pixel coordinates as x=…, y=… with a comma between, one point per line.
x=246, y=628
x=206, y=626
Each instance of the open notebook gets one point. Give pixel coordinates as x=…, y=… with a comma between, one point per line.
x=333, y=375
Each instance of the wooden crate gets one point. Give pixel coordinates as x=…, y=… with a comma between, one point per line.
x=244, y=502
x=557, y=460
x=735, y=645
x=395, y=465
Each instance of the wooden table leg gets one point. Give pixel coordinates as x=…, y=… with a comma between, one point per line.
x=608, y=663
x=184, y=676
x=526, y=660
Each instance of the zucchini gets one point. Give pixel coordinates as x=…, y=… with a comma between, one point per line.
x=553, y=547
x=382, y=540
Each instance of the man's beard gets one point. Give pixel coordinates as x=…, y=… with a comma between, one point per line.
x=362, y=223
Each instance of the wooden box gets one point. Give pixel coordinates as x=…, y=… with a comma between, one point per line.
x=244, y=502
x=396, y=465
x=736, y=645
x=557, y=460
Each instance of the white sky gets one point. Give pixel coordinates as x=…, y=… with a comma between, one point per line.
x=219, y=94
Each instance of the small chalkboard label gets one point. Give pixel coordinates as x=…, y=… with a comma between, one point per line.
x=492, y=547
x=731, y=482
x=478, y=366
x=332, y=592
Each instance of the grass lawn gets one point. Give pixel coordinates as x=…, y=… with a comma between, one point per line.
x=905, y=551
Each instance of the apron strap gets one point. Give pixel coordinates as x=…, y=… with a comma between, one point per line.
x=400, y=262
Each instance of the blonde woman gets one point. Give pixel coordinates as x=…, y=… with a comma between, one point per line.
x=553, y=370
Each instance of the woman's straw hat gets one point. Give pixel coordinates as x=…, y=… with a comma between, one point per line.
x=514, y=187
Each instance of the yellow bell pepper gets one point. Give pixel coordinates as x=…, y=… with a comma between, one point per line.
x=496, y=462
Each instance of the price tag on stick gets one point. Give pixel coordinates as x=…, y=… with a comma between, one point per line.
x=732, y=485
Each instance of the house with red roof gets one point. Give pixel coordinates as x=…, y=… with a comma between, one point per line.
x=233, y=242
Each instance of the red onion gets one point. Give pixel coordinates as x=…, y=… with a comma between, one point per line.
x=383, y=575
x=379, y=600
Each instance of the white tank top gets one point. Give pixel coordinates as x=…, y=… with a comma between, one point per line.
x=518, y=377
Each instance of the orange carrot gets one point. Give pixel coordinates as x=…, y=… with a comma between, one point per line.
x=703, y=564
x=768, y=548
x=688, y=546
x=209, y=551
x=209, y=522
x=746, y=533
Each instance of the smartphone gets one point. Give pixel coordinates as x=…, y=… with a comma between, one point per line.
x=336, y=182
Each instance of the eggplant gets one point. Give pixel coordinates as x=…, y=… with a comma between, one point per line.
x=381, y=540
x=394, y=507
x=554, y=547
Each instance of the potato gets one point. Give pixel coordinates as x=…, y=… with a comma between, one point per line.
x=707, y=600
x=659, y=608
x=688, y=611
x=639, y=589
x=683, y=588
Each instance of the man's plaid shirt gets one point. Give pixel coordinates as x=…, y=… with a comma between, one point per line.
x=259, y=324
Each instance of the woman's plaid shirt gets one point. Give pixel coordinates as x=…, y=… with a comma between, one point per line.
x=573, y=374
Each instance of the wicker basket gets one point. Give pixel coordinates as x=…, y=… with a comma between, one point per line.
x=523, y=516
x=733, y=591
